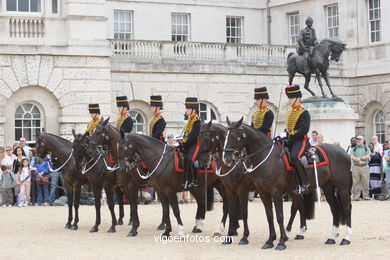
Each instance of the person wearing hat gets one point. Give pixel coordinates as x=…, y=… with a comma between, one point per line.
x=360, y=156
x=263, y=118
x=298, y=125
x=190, y=141
x=307, y=40
x=94, y=112
x=124, y=123
x=157, y=124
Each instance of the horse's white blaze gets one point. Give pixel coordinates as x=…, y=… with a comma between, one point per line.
x=348, y=233
x=181, y=230
x=224, y=146
x=302, y=231
x=221, y=228
x=335, y=232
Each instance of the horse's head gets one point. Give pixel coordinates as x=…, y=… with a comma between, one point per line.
x=80, y=145
x=335, y=48
x=234, y=142
x=208, y=143
x=41, y=144
x=126, y=152
x=99, y=138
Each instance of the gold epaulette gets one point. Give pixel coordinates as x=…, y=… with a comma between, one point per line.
x=258, y=117
x=120, y=120
x=91, y=126
x=292, y=118
x=153, y=122
x=189, y=126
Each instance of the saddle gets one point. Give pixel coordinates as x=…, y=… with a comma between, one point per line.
x=320, y=157
x=179, y=164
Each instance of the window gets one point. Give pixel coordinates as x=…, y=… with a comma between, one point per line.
x=293, y=23
x=27, y=122
x=24, y=5
x=180, y=27
x=54, y=6
x=123, y=25
x=379, y=126
x=139, y=121
x=332, y=14
x=374, y=17
x=206, y=112
x=234, y=29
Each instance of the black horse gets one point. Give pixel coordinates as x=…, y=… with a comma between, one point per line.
x=62, y=149
x=319, y=63
x=272, y=180
x=237, y=183
x=99, y=178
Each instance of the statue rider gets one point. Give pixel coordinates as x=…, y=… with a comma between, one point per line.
x=307, y=40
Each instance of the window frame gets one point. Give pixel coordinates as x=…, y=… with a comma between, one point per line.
x=131, y=24
x=31, y=127
x=230, y=27
x=24, y=13
x=379, y=31
x=337, y=16
x=382, y=131
x=289, y=15
x=188, y=35
x=136, y=123
x=209, y=112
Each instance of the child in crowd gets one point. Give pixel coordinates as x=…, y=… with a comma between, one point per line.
x=7, y=183
x=24, y=180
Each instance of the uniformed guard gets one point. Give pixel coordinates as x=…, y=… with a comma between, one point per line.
x=190, y=141
x=307, y=40
x=157, y=124
x=94, y=112
x=298, y=125
x=124, y=124
x=263, y=118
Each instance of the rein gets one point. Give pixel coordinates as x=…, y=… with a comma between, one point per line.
x=59, y=168
x=158, y=164
x=85, y=171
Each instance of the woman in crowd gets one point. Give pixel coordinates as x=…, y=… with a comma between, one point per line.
x=375, y=171
x=19, y=156
x=33, y=194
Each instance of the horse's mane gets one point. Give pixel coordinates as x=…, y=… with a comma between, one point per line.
x=58, y=137
x=254, y=131
x=333, y=41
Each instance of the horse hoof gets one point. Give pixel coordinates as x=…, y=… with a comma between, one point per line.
x=161, y=227
x=243, y=242
x=132, y=234
x=165, y=236
x=227, y=241
x=130, y=223
x=111, y=230
x=235, y=233
x=267, y=246
x=299, y=237
x=94, y=229
x=119, y=222
x=280, y=247
x=345, y=242
x=330, y=242
x=217, y=234
x=67, y=226
x=74, y=227
x=196, y=230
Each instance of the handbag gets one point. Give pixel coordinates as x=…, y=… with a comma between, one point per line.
x=44, y=179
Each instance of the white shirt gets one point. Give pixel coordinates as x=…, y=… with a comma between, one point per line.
x=313, y=142
x=24, y=174
x=378, y=148
x=7, y=161
x=26, y=150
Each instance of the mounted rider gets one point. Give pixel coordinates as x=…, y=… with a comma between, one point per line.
x=190, y=141
x=94, y=112
x=263, y=118
x=124, y=123
x=157, y=123
x=307, y=41
x=298, y=125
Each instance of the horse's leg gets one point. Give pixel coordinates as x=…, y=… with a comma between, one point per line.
x=108, y=188
x=69, y=192
x=243, y=196
x=267, y=201
x=97, y=192
x=293, y=212
x=172, y=198
x=278, y=202
x=297, y=204
x=76, y=206
x=318, y=77
x=232, y=203
x=291, y=76
x=344, y=196
x=307, y=81
x=225, y=208
x=162, y=224
x=325, y=75
x=199, y=195
x=329, y=189
x=119, y=196
x=132, y=195
x=167, y=221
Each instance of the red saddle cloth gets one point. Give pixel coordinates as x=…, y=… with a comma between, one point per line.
x=321, y=155
x=179, y=165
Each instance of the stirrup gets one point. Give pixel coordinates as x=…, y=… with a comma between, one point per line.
x=303, y=189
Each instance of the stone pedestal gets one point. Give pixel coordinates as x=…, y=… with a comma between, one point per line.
x=334, y=120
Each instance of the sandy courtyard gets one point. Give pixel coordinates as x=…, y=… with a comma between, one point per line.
x=38, y=232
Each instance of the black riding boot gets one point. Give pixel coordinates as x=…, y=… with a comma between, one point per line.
x=189, y=183
x=194, y=172
x=304, y=187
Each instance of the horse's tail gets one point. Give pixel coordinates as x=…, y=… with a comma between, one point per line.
x=289, y=55
x=210, y=197
x=308, y=204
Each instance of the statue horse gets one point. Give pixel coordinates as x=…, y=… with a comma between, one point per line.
x=162, y=175
x=62, y=149
x=272, y=179
x=237, y=184
x=99, y=178
x=318, y=63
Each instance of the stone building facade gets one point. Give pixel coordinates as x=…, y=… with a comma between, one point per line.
x=60, y=55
